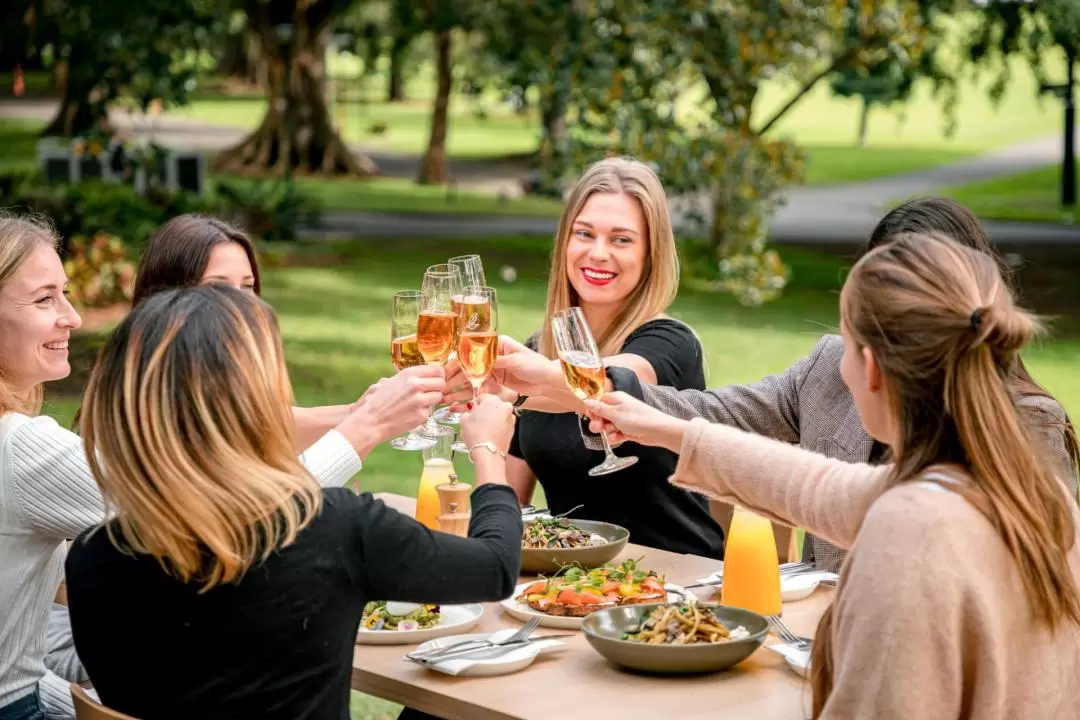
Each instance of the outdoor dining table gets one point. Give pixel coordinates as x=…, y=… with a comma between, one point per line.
x=577, y=682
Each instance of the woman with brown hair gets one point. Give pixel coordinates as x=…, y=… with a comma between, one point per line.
x=190, y=250
x=615, y=258
x=250, y=579
x=959, y=597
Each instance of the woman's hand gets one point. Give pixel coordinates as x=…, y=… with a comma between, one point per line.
x=517, y=368
x=625, y=418
x=491, y=420
x=394, y=405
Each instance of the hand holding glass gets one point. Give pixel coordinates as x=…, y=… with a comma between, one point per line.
x=584, y=373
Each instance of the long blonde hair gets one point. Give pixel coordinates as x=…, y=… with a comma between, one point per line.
x=943, y=326
x=19, y=237
x=189, y=435
x=660, y=277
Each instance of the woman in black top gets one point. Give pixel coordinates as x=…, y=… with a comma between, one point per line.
x=228, y=585
x=614, y=257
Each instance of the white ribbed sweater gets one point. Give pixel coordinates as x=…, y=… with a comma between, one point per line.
x=48, y=495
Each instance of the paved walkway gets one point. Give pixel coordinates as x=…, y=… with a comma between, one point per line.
x=824, y=214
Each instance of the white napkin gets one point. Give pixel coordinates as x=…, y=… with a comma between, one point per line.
x=456, y=666
x=799, y=658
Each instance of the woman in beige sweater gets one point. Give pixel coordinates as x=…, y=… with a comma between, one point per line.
x=959, y=598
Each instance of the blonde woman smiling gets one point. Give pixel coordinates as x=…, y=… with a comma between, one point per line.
x=959, y=597
x=250, y=579
x=614, y=257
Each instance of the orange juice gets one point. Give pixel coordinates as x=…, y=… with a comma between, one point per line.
x=436, y=472
x=751, y=565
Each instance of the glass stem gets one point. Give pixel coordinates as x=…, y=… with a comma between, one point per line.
x=607, y=445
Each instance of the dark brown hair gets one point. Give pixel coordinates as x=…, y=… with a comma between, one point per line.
x=179, y=252
x=943, y=326
x=942, y=216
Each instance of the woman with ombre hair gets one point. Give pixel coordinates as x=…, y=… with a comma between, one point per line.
x=249, y=578
x=615, y=258
x=47, y=494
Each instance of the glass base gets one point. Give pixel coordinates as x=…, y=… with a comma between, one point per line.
x=444, y=415
x=459, y=447
x=613, y=464
x=412, y=442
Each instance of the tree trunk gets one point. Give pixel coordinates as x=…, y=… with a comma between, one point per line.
x=296, y=133
x=433, y=164
x=553, y=120
x=864, y=123
x=77, y=114
x=395, y=88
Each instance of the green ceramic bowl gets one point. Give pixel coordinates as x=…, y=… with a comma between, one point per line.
x=550, y=560
x=604, y=628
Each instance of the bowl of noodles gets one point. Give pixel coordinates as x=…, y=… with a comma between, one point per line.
x=675, y=639
x=548, y=544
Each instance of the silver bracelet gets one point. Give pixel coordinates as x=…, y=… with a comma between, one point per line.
x=487, y=445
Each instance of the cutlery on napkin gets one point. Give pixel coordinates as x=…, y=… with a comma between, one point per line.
x=457, y=663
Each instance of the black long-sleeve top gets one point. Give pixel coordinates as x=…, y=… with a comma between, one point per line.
x=278, y=643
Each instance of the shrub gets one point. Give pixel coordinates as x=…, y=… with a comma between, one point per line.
x=99, y=270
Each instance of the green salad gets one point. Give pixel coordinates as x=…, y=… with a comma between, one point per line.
x=377, y=618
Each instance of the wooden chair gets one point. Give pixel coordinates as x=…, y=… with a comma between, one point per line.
x=787, y=540
x=86, y=708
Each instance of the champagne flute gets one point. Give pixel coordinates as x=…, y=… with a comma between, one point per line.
x=478, y=339
x=405, y=352
x=472, y=275
x=584, y=373
x=436, y=323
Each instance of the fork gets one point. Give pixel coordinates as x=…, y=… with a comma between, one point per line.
x=517, y=637
x=781, y=631
x=786, y=570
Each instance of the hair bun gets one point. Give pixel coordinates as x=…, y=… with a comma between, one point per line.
x=1003, y=329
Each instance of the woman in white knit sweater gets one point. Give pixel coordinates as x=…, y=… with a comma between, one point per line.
x=47, y=493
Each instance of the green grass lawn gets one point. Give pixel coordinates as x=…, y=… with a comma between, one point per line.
x=900, y=140
x=1033, y=196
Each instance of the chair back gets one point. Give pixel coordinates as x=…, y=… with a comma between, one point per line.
x=86, y=708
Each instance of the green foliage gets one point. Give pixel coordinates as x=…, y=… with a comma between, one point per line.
x=270, y=209
x=99, y=270
x=114, y=51
x=637, y=57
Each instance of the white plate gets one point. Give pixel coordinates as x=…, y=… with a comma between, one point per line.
x=523, y=612
x=797, y=660
x=504, y=663
x=792, y=587
x=454, y=619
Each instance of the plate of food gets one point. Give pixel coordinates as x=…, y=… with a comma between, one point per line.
x=673, y=639
x=549, y=544
x=401, y=623
x=563, y=600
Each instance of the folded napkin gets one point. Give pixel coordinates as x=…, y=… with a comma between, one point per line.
x=799, y=659
x=456, y=666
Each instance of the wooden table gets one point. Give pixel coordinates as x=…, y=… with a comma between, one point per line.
x=577, y=682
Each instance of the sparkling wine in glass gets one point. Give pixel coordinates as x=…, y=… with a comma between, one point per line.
x=584, y=373
x=472, y=276
x=405, y=352
x=478, y=339
x=436, y=323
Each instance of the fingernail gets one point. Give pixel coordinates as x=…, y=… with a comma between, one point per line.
x=468, y=405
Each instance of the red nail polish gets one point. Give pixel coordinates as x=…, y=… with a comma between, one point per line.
x=468, y=405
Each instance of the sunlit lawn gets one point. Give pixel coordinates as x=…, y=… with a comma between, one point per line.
x=1033, y=195
x=900, y=140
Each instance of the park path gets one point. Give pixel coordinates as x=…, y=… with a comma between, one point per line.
x=823, y=214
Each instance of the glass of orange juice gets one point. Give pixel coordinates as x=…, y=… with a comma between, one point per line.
x=438, y=465
x=751, y=565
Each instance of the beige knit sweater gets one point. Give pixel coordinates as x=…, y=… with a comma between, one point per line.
x=931, y=620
